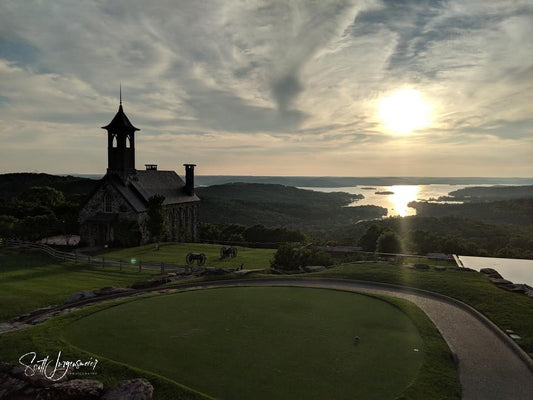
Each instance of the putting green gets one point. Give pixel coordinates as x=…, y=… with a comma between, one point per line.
x=262, y=343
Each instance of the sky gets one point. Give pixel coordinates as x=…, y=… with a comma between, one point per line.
x=269, y=87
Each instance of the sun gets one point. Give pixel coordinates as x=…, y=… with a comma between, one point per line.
x=404, y=111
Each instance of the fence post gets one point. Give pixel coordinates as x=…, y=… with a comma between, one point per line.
x=140, y=266
x=120, y=264
x=103, y=262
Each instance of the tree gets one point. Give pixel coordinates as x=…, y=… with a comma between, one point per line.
x=389, y=242
x=7, y=225
x=43, y=195
x=156, y=222
x=370, y=238
x=291, y=257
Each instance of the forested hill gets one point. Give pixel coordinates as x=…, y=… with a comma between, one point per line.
x=269, y=193
x=484, y=193
x=492, y=204
x=12, y=185
x=515, y=212
x=278, y=205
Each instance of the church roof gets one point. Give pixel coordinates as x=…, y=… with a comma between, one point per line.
x=165, y=183
x=145, y=184
x=120, y=122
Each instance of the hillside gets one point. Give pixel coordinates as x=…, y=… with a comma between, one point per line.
x=483, y=193
x=12, y=185
x=277, y=205
x=516, y=212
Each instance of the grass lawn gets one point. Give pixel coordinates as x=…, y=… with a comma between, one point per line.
x=507, y=310
x=31, y=280
x=256, y=343
x=175, y=253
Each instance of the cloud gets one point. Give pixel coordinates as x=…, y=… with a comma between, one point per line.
x=294, y=82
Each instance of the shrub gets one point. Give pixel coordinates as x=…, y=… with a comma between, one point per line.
x=291, y=257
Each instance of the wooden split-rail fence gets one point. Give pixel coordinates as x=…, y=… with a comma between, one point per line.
x=77, y=257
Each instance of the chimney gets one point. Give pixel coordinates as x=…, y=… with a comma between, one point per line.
x=189, y=179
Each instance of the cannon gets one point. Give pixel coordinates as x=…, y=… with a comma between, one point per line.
x=226, y=252
x=200, y=259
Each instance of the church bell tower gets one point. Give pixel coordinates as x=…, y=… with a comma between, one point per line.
x=120, y=144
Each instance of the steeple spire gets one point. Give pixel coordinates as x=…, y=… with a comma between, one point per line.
x=120, y=93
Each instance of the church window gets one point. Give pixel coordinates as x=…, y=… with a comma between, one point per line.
x=128, y=142
x=108, y=203
x=114, y=141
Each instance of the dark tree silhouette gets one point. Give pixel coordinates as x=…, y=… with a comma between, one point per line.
x=156, y=222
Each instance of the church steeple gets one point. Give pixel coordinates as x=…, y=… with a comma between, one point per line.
x=120, y=144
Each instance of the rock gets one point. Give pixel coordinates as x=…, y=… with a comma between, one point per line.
x=86, y=294
x=171, y=274
x=215, y=271
x=420, y=266
x=106, y=291
x=79, y=389
x=37, y=379
x=10, y=385
x=500, y=281
x=5, y=367
x=150, y=283
x=314, y=268
x=491, y=273
x=134, y=389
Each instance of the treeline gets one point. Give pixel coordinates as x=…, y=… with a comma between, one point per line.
x=73, y=188
x=484, y=193
x=449, y=235
x=256, y=234
x=38, y=212
x=516, y=211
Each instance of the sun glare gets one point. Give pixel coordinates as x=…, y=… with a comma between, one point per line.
x=404, y=111
x=403, y=195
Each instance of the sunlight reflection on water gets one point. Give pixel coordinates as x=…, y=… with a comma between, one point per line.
x=397, y=202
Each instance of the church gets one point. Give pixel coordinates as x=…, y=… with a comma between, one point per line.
x=115, y=213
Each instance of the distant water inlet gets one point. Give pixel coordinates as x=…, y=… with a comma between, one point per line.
x=394, y=198
x=514, y=270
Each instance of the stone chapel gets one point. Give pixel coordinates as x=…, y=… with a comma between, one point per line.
x=115, y=213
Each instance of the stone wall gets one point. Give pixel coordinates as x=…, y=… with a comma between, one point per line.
x=182, y=219
x=89, y=231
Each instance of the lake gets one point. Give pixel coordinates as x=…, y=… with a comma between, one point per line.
x=396, y=202
x=514, y=270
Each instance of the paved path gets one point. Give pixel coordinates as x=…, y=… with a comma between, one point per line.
x=489, y=369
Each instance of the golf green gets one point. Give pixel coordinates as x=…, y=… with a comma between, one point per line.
x=262, y=343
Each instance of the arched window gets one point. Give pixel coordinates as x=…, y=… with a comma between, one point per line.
x=114, y=141
x=128, y=142
x=108, y=203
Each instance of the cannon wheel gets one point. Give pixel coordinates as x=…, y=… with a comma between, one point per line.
x=222, y=253
x=202, y=259
x=189, y=259
x=233, y=252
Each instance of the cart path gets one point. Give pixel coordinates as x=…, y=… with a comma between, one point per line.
x=489, y=368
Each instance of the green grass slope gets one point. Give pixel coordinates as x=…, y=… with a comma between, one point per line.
x=32, y=280
x=175, y=253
